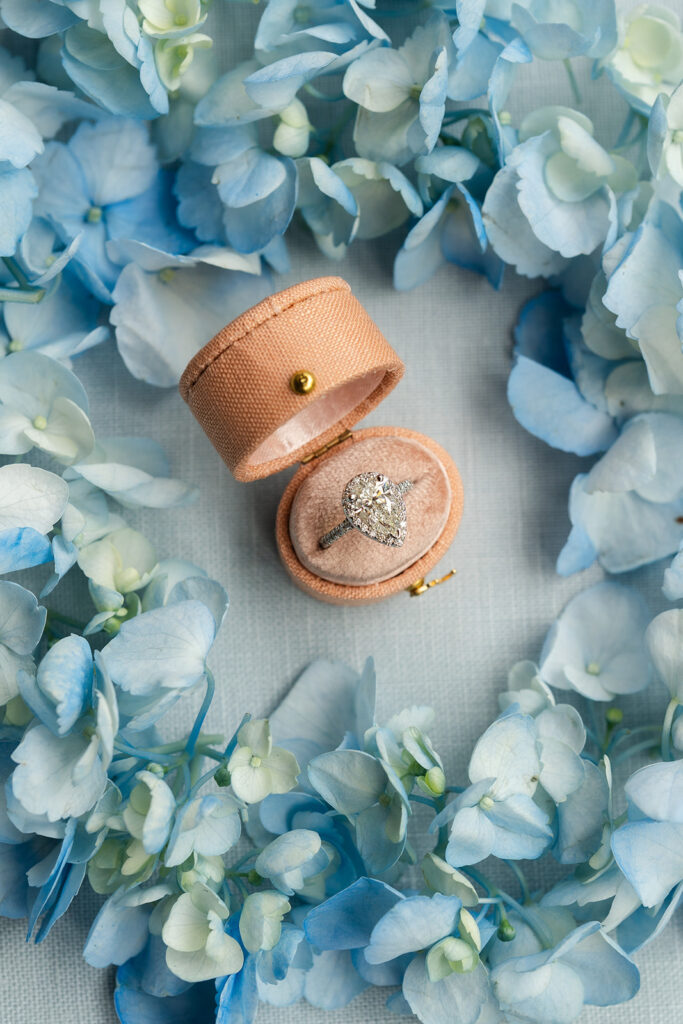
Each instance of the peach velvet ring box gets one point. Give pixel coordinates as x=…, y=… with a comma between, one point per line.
x=284, y=383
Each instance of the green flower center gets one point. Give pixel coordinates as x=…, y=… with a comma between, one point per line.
x=592, y=668
x=40, y=423
x=94, y=215
x=301, y=14
x=255, y=761
x=15, y=345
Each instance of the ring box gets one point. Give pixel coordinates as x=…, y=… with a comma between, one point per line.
x=286, y=382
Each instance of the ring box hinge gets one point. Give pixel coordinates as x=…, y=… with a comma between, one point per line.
x=421, y=586
x=344, y=436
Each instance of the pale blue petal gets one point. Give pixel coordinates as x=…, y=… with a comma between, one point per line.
x=61, y=689
x=20, y=140
x=252, y=219
x=458, y=997
x=349, y=780
x=672, y=586
x=411, y=925
x=155, y=315
x=36, y=19
x=319, y=707
x=510, y=233
x=166, y=647
x=17, y=192
x=464, y=240
x=118, y=933
x=581, y=817
x=23, y=547
x=346, y=920
x=471, y=838
x=421, y=254
x=550, y=407
x=472, y=71
x=199, y=205
x=21, y=618
x=569, y=228
x=332, y=982
x=597, y=645
x=275, y=85
x=94, y=66
x=650, y=853
x=625, y=530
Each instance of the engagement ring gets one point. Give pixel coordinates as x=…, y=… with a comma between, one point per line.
x=373, y=504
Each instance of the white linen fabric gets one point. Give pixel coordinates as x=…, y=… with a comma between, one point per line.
x=450, y=648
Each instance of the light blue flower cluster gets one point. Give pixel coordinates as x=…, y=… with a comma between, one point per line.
x=359, y=119
x=139, y=183
x=287, y=862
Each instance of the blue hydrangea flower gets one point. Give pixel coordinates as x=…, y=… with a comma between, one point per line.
x=64, y=776
x=597, y=645
x=104, y=183
x=583, y=29
x=157, y=656
x=342, y=27
x=62, y=324
x=21, y=626
x=497, y=813
x=43, y=406
x=565, y=417
x=401, y=94
x=585, y=968
x=197, y=947
x=648, y=57
x=257, y=190
x=626, y=511
x=663, y=636
x=559, y=178
x=31, y=502
x=648, y=847
x=61, y=689
x=644, y=291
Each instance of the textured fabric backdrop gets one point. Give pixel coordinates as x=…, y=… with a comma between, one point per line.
x=450, y=648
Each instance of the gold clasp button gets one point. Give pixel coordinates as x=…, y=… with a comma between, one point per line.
x=421, y=586
x=302, y=382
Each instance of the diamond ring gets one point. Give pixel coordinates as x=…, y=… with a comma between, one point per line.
x=373, y=504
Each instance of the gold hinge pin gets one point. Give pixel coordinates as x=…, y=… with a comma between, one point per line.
x=326, y=447
x=421, y=586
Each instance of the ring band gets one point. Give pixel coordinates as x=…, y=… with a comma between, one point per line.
x=373, y=504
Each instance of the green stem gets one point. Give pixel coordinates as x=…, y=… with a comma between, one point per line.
x=16, y=272
x=572, y=80
x=26, y=292
x=142, y=755
x=422, y=800
x=635, y=749
x=628, y=734
x=177, y=745
x=667, y=725
x=22, y=295
x=519, y=875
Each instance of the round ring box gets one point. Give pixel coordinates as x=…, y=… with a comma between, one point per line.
x=284, y=383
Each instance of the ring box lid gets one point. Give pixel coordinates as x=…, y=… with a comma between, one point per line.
x=242, y=385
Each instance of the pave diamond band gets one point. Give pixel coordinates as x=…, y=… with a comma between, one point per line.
x=374, y=505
